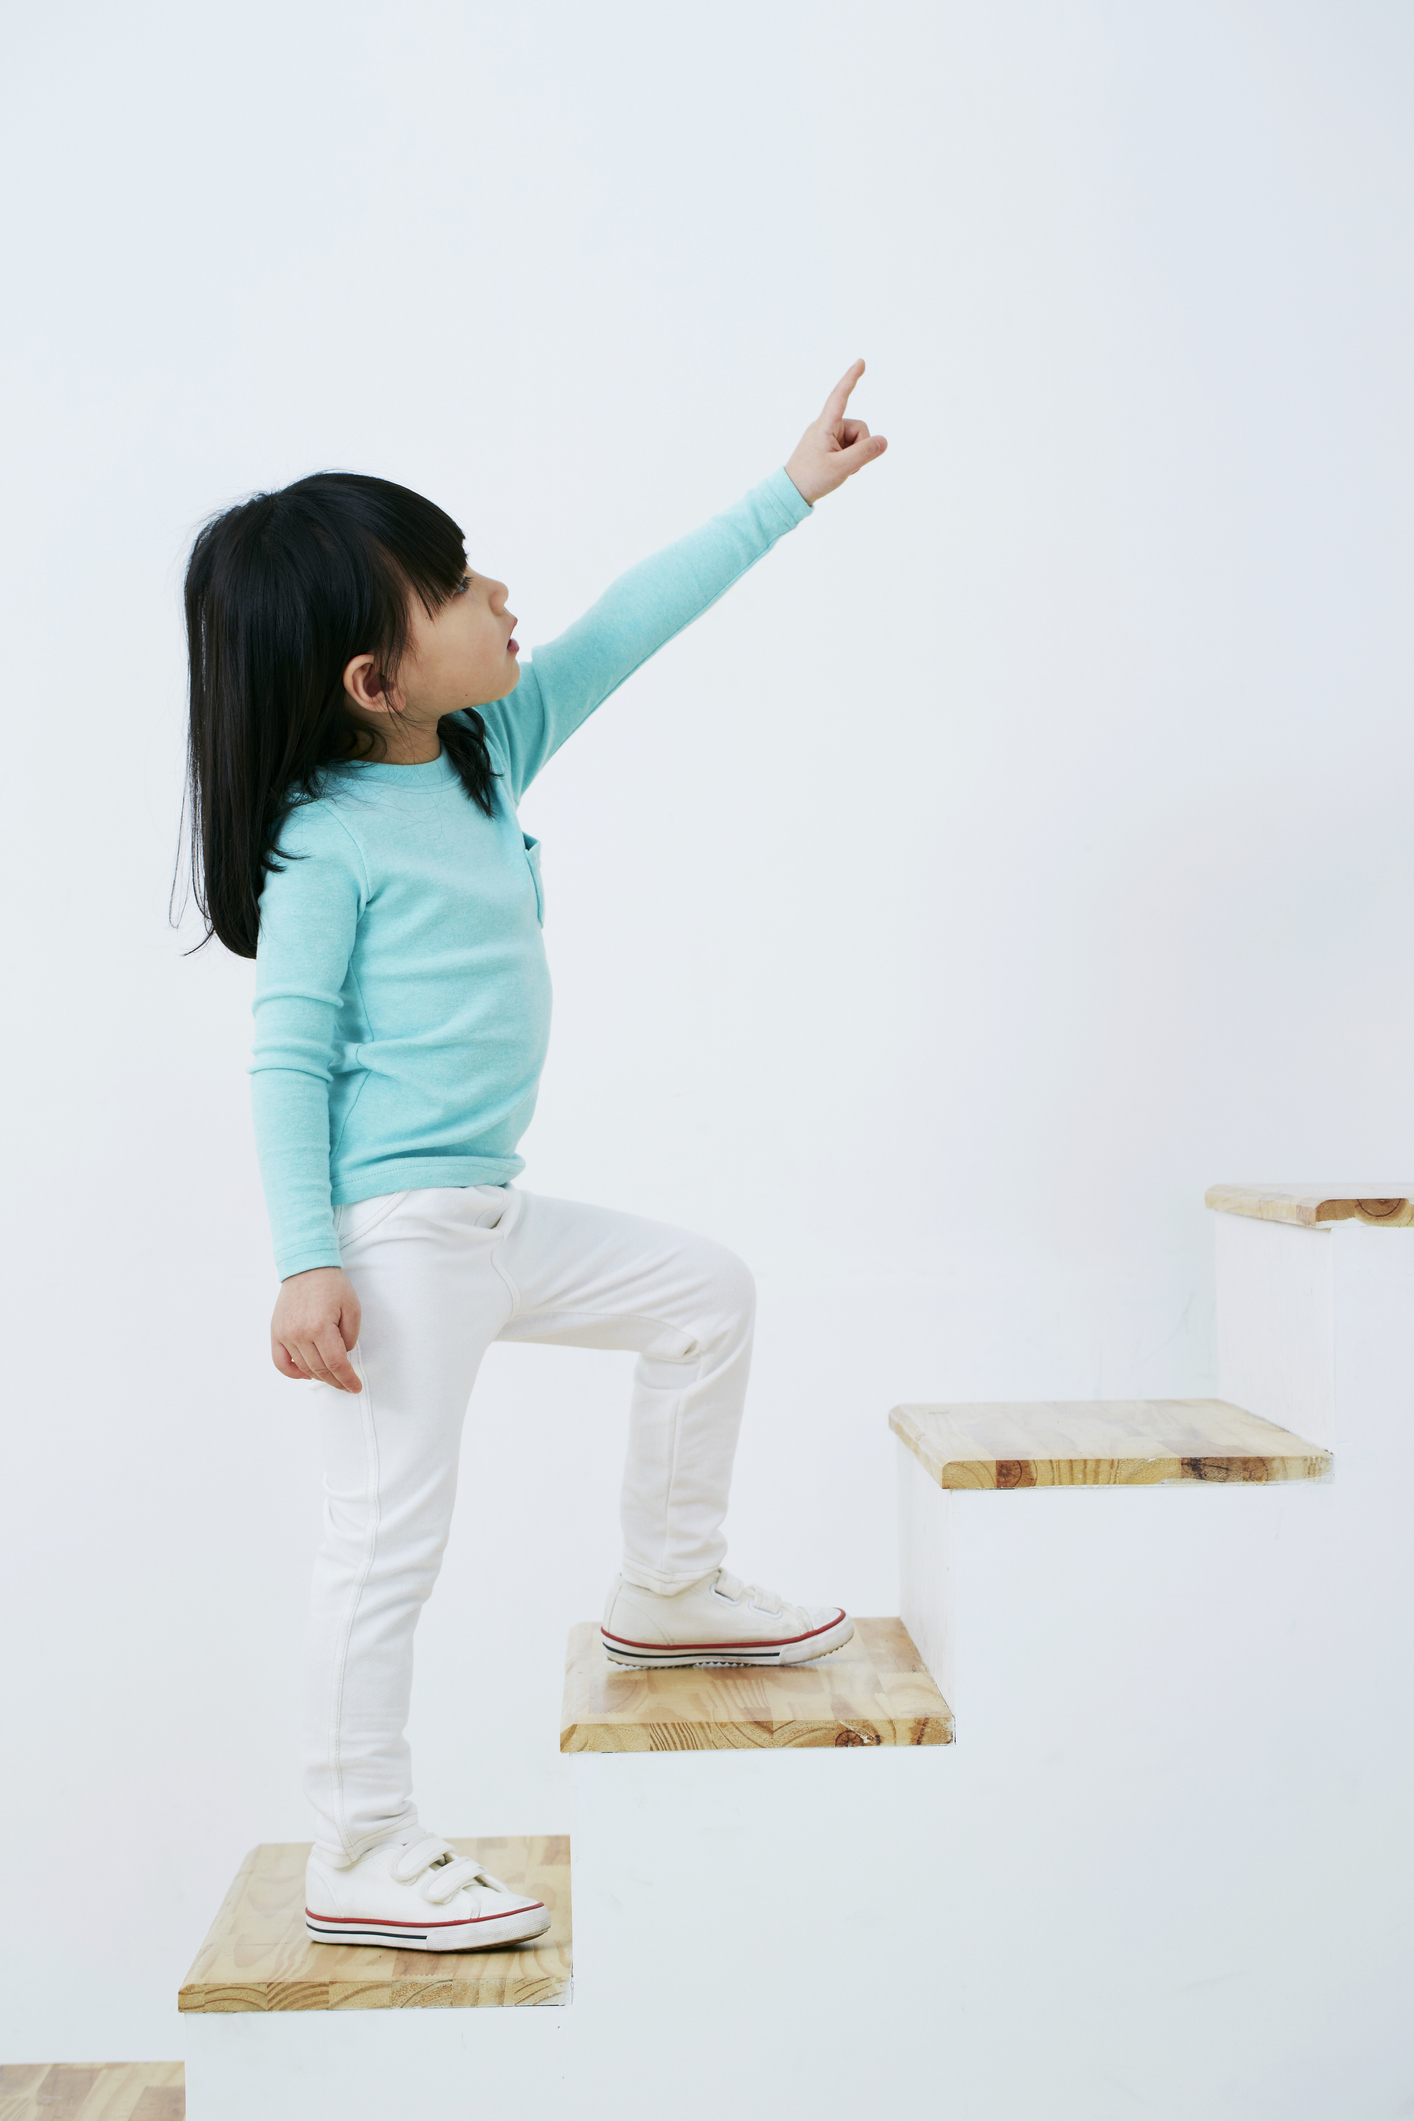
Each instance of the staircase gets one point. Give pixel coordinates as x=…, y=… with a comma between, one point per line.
x=1162, y=1870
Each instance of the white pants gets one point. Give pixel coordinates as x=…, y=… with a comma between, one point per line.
x=441, y=1273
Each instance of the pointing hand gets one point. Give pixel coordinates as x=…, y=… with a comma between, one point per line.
x=833, y=448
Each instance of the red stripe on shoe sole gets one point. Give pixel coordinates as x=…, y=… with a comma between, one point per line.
x=757, y=1642
x=386, y=1922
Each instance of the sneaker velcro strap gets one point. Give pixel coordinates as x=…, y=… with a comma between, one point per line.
x=419, y=1856
x=449, y=1878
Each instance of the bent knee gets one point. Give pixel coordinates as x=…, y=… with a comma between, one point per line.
x=732, y=1285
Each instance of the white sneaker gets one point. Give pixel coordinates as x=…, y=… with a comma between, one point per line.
x=417, y=1895
x=718, y=1621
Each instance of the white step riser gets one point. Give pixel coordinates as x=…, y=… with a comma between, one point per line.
x=926, y=1591
x=1276, y=1321
x=374, y=2065
x=1178, y=1795
x=1316, y=1328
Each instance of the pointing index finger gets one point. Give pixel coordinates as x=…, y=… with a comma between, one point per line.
x=839, y=396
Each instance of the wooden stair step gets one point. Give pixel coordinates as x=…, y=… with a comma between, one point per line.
x=874, y=1691
x=1309, y=1206
x=92, y=2091
x=1092, y=1443
x=259, y=1957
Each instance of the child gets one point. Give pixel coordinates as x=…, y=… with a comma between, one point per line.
x=361, y=733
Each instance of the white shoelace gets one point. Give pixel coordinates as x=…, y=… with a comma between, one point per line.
x=449, y=1872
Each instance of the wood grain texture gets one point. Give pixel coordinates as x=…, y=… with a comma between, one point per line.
x=92, y=2091
x=875, y=1691
x=1097, y=1443
x=259, y=1957
x=1311, y=1206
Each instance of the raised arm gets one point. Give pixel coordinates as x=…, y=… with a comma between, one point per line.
x=568, y=678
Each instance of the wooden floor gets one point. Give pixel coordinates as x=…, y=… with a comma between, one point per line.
x=1098, y=1443
x=259, y=1957
x=875, y=1691
x=92, y=2091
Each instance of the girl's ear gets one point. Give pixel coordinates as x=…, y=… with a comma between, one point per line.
x=363, y=682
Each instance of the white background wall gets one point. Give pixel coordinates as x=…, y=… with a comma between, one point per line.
x=1021, y=848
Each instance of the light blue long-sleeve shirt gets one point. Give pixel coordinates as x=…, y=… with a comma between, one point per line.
x=402, y=999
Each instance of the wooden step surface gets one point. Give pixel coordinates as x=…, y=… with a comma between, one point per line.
x=92, y=2091
x=259, y=1957
x=1098, y=1443
x=874, y=1691
x=1310, y=1206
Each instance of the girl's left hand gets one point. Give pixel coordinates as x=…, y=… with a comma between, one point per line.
x=833, y=448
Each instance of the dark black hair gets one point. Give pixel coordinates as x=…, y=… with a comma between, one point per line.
x=281, y=593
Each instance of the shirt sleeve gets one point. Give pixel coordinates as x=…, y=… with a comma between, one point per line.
x=567, y=679
x=309, y=912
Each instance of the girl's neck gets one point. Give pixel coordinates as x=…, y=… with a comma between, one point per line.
x=403, y=743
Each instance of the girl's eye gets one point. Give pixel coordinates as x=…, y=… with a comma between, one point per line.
x=462, y=587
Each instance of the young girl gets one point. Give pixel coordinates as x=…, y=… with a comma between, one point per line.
x=361, y=733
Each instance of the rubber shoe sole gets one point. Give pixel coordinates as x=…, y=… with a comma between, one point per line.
x=793, y=1649
x=477, y=1933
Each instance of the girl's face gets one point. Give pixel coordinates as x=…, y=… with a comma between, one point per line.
x=464, y=657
